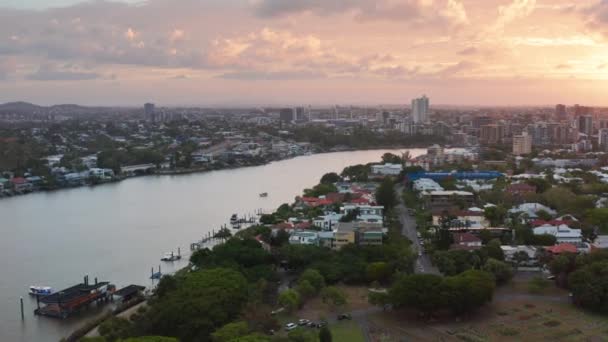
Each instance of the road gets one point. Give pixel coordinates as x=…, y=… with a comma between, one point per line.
x=423, y=263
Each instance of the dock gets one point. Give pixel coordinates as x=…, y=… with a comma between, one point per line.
x=67, y=302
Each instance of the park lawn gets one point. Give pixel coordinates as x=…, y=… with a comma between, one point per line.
x=531, y=319
x=346, y=331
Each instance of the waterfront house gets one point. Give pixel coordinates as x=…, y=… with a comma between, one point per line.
x=21, y=185
x=36, y=182
x=562, y=232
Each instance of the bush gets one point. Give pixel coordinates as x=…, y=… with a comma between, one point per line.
x=537, y=285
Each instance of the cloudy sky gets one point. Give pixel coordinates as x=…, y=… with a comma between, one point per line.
x=240, y=52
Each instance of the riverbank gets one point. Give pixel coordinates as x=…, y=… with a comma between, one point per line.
x=243, y=163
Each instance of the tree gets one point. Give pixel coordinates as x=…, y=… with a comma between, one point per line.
x=589, y=286
x=330, y=178
x=314, y=278
x=391, y=158
x=502, y=272
x=494, y=250
x=496, y=215
x=281, y=238
x=290, y=300
x=230, y=332
x=599, y=218
x=223, y=234
x=115, y=328
x=202, y=302
x=325, y=334
x=520, y=257
x=378, y=271
x=385, y=194
x=418, y=291
x=544, y=215
x=305, y=289
x=333, y=296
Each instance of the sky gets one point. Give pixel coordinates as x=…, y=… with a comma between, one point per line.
x=300, y=52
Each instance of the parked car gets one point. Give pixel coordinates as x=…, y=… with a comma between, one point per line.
x=290, y=326
x=344, y=316
x=303, y=321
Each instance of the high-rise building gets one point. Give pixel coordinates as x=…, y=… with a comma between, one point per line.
x=287, y=115
x=560, y=112
x=522, y=144
x=585, y=124
x=491, y=134
x=602, y=139
x=420, y=110
x=149, y=112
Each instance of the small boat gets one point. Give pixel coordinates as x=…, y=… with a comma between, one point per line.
x=170, y=257
x=40, y=290
x=264, y=194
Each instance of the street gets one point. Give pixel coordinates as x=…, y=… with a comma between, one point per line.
x=423, y=262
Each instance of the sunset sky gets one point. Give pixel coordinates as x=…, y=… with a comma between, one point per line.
x=258, y=52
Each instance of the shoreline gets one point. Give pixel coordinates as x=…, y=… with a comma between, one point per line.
x=179, y=172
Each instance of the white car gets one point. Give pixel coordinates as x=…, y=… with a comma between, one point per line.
x=290, y=326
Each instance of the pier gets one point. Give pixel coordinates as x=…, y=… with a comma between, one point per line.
x=64, y=303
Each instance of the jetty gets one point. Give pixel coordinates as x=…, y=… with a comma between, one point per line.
x=67, y=302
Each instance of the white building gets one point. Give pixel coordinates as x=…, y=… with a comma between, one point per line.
x=328, y=221
x=531, y=209
x=304, y=237
x=562, y=233
x=387, y=169
x=522, y=144
x=426, y=185
x=420, y=109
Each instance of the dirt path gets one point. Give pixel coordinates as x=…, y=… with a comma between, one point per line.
x=125, y=314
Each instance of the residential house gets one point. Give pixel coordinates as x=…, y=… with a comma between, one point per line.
x=426, y=185
x=366, y=212
x=36, y=182
x=531, y=210
x=304, y=237
x=562, y=248
x=562, y=233
x=510, y=251
x=465, y=241
x=462, y=218
x=520, y=190
x=358, y=233
x=328, y=221
x=446, y=200
x=21, y=185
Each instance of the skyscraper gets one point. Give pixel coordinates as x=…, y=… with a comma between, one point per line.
x=560, y=112
x=287, y=115
x=420, y=109
x=585, y=124
x=149, y=112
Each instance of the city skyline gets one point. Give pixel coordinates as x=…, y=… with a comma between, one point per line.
x=268, y=52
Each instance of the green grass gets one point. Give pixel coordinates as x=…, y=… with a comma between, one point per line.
x=346, y=331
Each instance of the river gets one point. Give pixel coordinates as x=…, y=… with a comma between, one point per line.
x=117, y=232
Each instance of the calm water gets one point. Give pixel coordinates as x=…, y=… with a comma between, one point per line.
x=117, y=232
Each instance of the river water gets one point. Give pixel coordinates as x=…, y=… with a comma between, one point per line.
x=117, y=232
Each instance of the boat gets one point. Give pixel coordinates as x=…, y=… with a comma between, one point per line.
x=40, y=290
x=264, y=194
x=170, y=257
